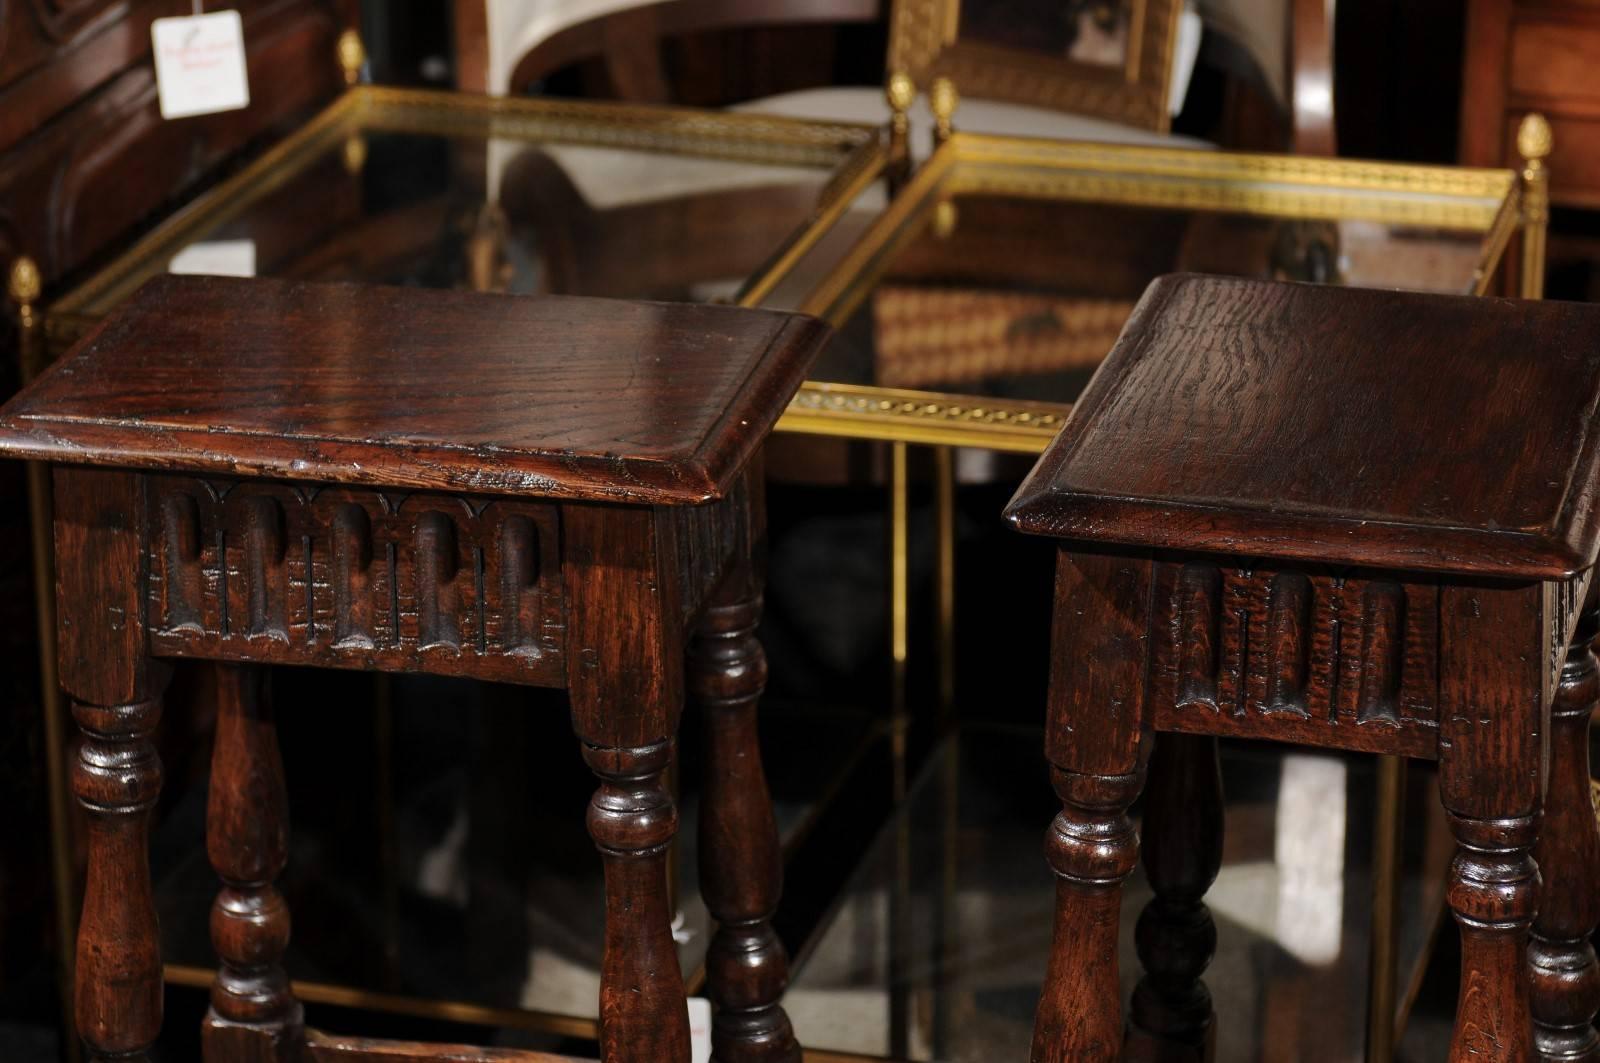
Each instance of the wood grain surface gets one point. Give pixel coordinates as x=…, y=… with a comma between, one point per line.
x=1392, y=429
x=553, y=397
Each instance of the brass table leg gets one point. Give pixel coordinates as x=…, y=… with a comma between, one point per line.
x=899, y=623
x=25, y=288
x=899, y=598
x=1382, y=1032
x=1533, y=144
x=944, y=480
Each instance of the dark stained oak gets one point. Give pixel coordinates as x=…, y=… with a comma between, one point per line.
x=554, y=397
x=741, y=872
x=253, y=1015
x=1101, y=614
x=1351, y=519
x=1175, y=936
x=1492, y=717
x=116, y=692
x=1565, y=988
x=1362, y=427
x=548, y=491
x=117, y=779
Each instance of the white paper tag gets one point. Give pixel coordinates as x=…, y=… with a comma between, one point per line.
x=699, y=1030
x=200, y=66
x=216, y=258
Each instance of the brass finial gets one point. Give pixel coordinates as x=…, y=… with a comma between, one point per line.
x=355, y=155
x=943, y=99
x=1534, y=142
x=25, y=285
x=1533, y=136
x=352, y=56
x=901, y=92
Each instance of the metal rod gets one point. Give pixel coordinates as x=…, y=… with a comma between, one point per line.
x=1533, y=144
x=899, y=1016
x=947, y=922
x=395, y=1004
x=899, y=595
x=1383, y=955
x=944, y=480
x=25, y=286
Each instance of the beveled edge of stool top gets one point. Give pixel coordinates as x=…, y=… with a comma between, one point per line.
x=1350, y=426
x=562, y=397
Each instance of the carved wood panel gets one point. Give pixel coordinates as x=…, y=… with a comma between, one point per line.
x=1308, y=657
x=344, y=578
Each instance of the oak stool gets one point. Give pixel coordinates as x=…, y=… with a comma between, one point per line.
x=1354, y=519
x=560, y=492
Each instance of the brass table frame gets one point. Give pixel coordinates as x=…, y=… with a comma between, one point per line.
x=1500, y=203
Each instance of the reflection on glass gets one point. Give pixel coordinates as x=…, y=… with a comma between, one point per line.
x=521, y=216
x=1302, y=886
x=1309, y=851
x=1084, y=31
x=939, y=944
x=1022, y=297
x=475, y=881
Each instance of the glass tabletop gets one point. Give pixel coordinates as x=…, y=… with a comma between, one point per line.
x=445, y=871
x=525, y=196
x=1002, y=271
x=937, y=949
x=1007, y=268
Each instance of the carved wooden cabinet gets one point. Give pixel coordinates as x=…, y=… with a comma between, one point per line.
x=84, y=151
x=1351, y=519
x=1526, y=56
x=256, y=472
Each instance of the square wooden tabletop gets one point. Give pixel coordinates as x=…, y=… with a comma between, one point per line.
x=549, y=396
x=1352, y=426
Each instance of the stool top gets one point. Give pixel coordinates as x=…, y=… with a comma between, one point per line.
x=553, y=396
x=1375, y=428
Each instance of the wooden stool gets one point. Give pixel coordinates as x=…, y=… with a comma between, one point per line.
x=552, y=491
x=1355, y=519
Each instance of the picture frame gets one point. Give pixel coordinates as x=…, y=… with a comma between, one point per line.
x=1108, y=59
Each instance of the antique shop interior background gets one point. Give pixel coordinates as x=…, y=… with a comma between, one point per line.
x=974, y=193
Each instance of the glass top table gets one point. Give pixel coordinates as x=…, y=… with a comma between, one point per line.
x=1000, y=276
x=435, y=190
x=972, y=307
x=938, y=945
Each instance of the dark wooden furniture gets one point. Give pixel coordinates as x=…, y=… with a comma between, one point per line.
x=1343, y=518
x=1527, y=56
x=85, y=158
x=556, y=492
x=84, y=151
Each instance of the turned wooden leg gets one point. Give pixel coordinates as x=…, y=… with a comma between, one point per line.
x=1493, y=889
x=1565, y=986
x=1092, y=848
x=1491, y=782
x=644, y=1015
x=1171, y=1016
x=253, y=1017
x=117, y=779
x=1098, y=745
x=741, y=875
x=625, y=663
